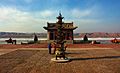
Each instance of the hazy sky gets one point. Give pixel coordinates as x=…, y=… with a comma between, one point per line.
x=32, y=15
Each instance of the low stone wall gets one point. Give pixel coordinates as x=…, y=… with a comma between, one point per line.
x=48, y=41
x=81, y=42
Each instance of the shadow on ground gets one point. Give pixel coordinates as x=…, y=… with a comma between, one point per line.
x=95, y=58
x=75, y=53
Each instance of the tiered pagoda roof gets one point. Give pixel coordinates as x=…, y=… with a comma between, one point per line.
x=53, y=26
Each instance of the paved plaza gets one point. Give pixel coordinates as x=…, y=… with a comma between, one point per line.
x=39, y=61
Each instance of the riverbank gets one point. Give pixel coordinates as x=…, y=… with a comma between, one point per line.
x=44, y=40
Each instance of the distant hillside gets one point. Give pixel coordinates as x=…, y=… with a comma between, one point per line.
x=98, y=34
x=21, y=35
x=44, y=35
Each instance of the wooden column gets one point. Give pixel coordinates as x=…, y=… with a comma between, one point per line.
x=48, y=35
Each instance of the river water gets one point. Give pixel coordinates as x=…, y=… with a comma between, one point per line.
x=19, y=40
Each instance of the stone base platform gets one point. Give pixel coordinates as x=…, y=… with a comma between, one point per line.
x=60, y=60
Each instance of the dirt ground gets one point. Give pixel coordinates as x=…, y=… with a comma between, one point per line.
x=12, y=46
x=82, y=61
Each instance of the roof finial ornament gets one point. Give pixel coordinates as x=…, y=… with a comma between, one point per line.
x=60, y=17
x=60, y=13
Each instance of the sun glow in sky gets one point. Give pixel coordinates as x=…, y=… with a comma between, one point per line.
x=32, y=15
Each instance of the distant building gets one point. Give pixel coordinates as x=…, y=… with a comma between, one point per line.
x=52, y=30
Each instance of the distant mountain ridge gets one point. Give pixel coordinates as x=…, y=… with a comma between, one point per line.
x=44, y=35
x=21, y=35
x=100, y=35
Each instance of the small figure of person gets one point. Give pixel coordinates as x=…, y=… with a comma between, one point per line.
x=10, y=39
x=49, y=48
